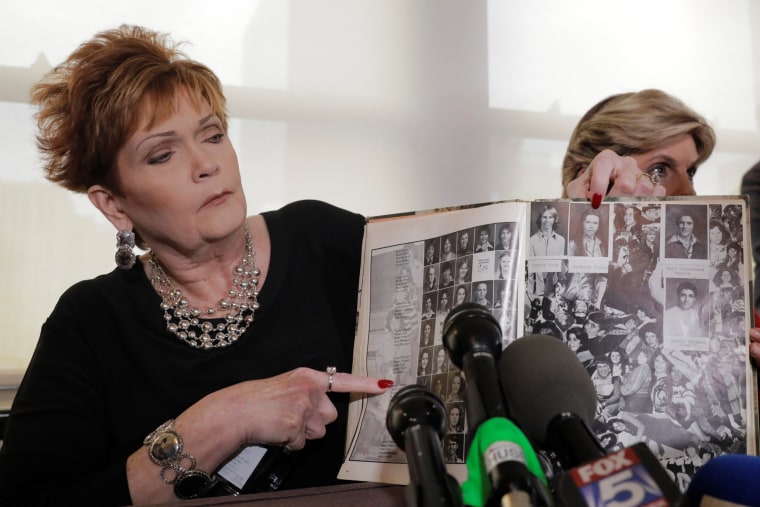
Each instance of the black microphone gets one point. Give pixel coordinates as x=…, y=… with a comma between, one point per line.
x=472, y=337
x=416, y=419
x=553, y=398
x=509, y=470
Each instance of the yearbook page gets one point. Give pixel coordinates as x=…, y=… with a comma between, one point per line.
x=652, y=296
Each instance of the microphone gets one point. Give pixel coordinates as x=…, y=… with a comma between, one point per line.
x=728, y=480
x=416, y=419
x=472, y=338
x=501, y=453
x=553, y=399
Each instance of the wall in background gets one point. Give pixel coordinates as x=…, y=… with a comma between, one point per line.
x=378, y=106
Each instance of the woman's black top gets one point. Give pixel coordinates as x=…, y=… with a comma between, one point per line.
x=106, y=372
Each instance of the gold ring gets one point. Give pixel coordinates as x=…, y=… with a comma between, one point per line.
x=653, y=178
x=331, y=370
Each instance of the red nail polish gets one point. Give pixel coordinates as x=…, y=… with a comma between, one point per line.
x=596, y=200
x=384, y=383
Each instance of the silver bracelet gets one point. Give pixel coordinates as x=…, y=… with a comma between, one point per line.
x=165, y=449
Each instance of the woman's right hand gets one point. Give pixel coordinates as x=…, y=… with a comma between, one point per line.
x=285, y=410
x=610, y=175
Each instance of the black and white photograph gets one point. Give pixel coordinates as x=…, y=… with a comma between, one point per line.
x=461, y=294
x=425, y=361
x=465, y=242
x=484, y=239
x=427, y=336
x=686, y=226
x=589, y=231
x=438, y=385
x=428, y=305
x=453, y=448
x=445, y=300
x=718, y=239
x=456, y=418
x=506, y=236
x=456, y=387
x=506, y=266
x=549, y=229
x=482, y=293
x=440, y=361
x=431, y=278
x=432, y=251
x=463, y=272
x=448, y=247
x=687, y=311
x=446, y=276
x=628, y=222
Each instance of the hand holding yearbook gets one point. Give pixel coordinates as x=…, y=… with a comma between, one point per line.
x=651, y=296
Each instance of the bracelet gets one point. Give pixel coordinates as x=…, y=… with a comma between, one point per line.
x=165, y=449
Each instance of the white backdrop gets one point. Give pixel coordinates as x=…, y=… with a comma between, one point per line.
x=378, y=106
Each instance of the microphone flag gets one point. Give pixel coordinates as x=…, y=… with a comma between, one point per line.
x=496, y=440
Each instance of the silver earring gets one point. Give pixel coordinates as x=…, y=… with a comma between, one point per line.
x=125, y=242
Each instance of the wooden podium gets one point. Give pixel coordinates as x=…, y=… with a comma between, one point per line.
x=348, y=495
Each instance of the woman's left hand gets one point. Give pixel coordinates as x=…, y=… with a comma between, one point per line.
x=611, y=175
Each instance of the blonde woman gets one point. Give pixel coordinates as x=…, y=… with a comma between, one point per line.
x=645, y=143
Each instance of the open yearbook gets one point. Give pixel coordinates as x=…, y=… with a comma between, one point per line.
x=653, y=296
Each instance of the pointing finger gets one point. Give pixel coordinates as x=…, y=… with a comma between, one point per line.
x=349, y=383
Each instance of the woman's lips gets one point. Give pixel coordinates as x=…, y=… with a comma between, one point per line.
x=216, y=199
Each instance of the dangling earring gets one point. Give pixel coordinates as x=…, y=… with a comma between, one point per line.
x=125, y=242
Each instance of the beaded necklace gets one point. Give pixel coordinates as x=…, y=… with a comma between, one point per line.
x=241, y=302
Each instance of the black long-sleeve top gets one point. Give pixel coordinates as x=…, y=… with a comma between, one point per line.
x=106, y=372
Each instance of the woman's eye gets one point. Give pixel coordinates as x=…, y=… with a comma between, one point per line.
x=216, y=138
x=160, y=158
x=691, y=172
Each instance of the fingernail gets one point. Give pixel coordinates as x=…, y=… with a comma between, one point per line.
x=384, y=383
x=596, y=200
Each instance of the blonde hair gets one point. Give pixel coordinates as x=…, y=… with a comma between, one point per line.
x=632, y=123
x=94, y=101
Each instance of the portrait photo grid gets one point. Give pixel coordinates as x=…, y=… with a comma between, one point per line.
x=479, y=265
x=433, y=276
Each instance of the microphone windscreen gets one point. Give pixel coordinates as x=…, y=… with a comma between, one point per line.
x=497, y=439
x=542, y=378
x=727, y=479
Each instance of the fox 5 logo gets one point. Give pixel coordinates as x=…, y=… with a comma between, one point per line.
x=631, y=487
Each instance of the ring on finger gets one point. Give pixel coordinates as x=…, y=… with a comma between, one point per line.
x=653, y=178
x=331, y=370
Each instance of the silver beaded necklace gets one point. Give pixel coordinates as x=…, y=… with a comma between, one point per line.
x=241, y=302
